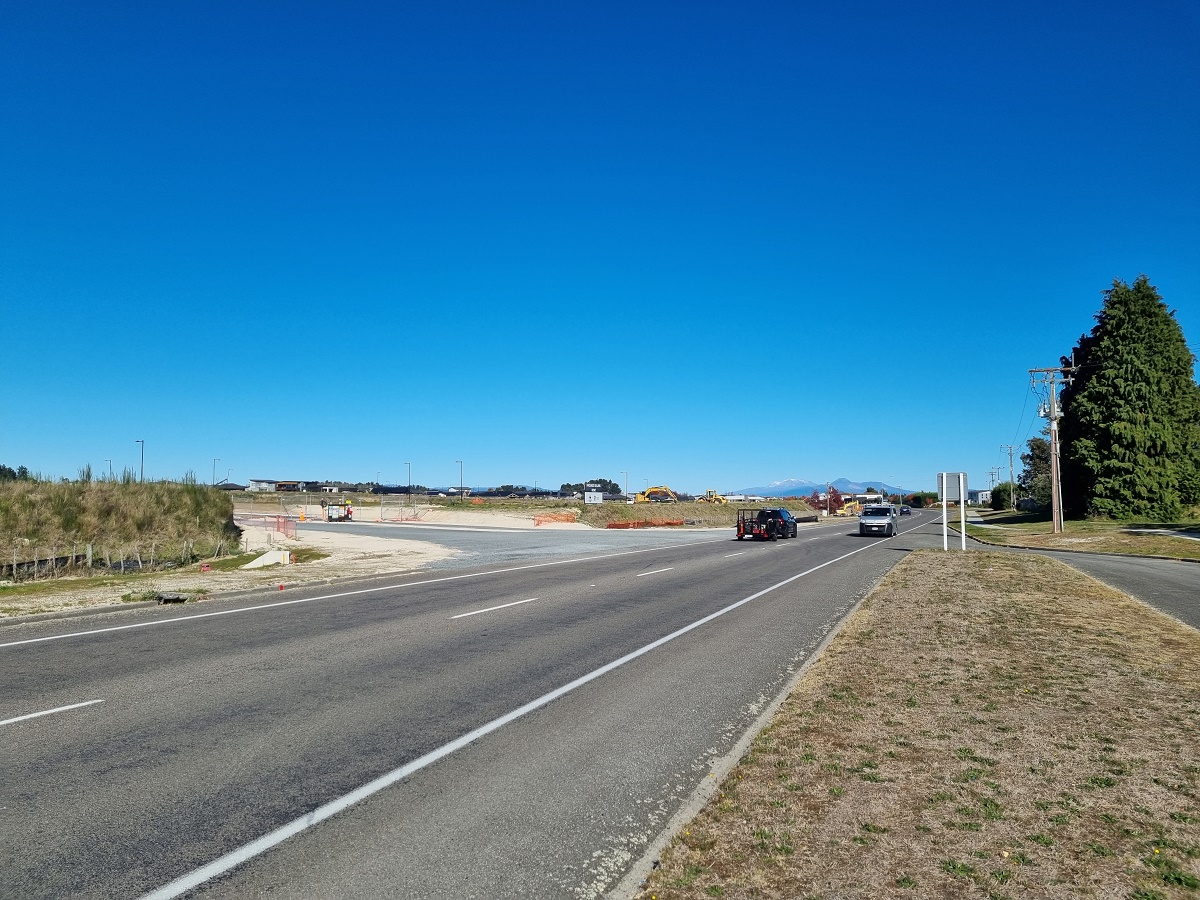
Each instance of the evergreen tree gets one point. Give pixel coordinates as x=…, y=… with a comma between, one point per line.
x=1034, y=479
x=1131, y=418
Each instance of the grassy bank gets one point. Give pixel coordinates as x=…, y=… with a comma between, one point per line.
x=986, y=725
x=1099, y=536
x=153, y=521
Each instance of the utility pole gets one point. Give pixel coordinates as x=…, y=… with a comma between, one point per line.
x=1012, y=481
x=1052, y=379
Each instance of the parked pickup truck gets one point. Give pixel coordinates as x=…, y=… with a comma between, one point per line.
x=769, y=524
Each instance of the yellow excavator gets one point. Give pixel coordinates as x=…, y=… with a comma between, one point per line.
x=711, y=496
x=657, y=494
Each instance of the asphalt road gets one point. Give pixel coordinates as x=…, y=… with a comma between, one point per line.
x=513, y=758
x=477, y=546
x=219, y=724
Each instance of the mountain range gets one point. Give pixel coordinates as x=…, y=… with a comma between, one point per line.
x=799, y=487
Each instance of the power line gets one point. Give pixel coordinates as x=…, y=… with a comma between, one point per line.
x=1049, y=379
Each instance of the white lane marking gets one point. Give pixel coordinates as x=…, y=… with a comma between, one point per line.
x=49, y=712
x=491, y=608
x=655, y=572
x=474, y=528
x=739, y=553
x=387, y=587
x=235, y=858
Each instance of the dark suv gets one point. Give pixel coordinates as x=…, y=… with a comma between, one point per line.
x=784, y=521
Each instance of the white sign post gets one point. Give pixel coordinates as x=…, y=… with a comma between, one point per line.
x=593, y=494
x=953, y=486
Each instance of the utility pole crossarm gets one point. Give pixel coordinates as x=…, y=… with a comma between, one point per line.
x=1052, y=378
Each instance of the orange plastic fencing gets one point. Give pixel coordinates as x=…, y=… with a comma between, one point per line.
x=647, y=523
x=555, y=517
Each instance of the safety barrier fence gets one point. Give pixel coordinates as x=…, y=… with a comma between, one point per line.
x=555, y=517
x=285, y=525
x=646, y=523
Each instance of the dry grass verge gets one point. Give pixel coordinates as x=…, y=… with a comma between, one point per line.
x=986, y=725
x=1095, y=536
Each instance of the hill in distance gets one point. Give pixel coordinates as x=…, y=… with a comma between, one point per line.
x=799, y=487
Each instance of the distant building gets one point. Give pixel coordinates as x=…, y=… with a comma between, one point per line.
x=271, y=485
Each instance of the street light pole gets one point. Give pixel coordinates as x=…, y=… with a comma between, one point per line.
x=460, y=480
x=216, y=459
x=626, y=474
x=410, y=503
x=142, y=475
x=109, y=461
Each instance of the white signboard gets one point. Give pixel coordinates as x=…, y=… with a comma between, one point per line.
x=593, y=494
x=952, y=486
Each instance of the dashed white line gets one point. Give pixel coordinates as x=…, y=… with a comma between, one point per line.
x=493, y=608
x=386, y=587
x=48, y=712
x=739, y=553
x=236, y=857
x=655, y=572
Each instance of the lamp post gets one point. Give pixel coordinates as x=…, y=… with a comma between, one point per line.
x=228, y=472
x=216, y=459
x=409, y=465
x=626, y=474
x=460, y=480
x=142, y=475
x=109, y=461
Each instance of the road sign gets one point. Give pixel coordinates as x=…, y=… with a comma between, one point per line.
x=953, y=486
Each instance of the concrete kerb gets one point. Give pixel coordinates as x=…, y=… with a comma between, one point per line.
x=995, y=544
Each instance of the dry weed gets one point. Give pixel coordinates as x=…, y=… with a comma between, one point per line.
x=987, y=725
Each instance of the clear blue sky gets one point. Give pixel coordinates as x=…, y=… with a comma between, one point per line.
x=705, y=244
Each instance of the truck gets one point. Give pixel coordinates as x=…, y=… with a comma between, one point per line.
x=768, y=524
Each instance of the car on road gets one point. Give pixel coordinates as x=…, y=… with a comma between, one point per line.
x=906, y=510
x=771, y=523
x=877, y=520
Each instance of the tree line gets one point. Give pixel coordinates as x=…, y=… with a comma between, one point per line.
x=1130, y=420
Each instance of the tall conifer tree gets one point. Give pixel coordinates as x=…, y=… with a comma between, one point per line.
x=1131, y=419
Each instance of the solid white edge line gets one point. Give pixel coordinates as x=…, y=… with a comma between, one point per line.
x=386, y=587
x=739, y=553
x=48, y=712
x=655, y=572
x=492, y=608
x=234, y=858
